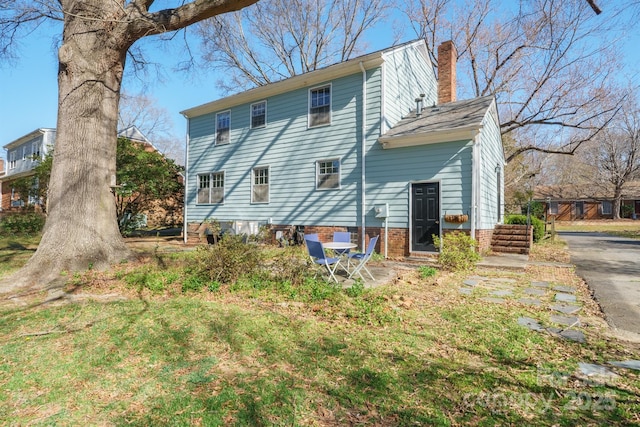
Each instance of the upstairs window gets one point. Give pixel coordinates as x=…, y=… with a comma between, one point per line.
x=320, y=106
x=260, y=186
x=211, y=188
x=259, y=114
x=35, y=151
x=12, y=160
x=223, y=126
x=24, y=153
x=328, y=174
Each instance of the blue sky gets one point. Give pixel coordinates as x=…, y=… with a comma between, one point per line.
x=28, y=86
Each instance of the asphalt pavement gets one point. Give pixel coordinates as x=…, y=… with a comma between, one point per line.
x=611, y=267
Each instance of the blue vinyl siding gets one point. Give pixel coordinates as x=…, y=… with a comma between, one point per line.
x=407, y=74
x=491, y=155
x=290, y=149
x=391, y=172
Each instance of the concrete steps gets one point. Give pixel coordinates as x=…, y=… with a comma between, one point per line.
x=512, y=238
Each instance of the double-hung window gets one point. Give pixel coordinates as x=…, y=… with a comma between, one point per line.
x=12, y=159
x=553, y=208
x=223, y=127
x=260, y=185
x=328, y=174
x=607, y=208
x=35, y=151
x=259, y=114
x=211, y=188
x=320, y=106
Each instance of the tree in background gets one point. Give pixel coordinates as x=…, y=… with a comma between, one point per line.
x=81, y=228
x=277, y=39
x=35, y=187
x=154, y=122
x=145, y=180
x=549, y=64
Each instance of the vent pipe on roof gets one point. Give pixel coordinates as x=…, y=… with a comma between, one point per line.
x=419, y=104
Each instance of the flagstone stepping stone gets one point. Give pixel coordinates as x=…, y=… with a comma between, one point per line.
x=503, y=280
x=540, y=284
x=562, y=297
x=494, y=300
x=567, y=289
x=599, y=372
x=478, y=278
x=466, y=291
x=502, y=293
x=628, y=364
x=566, y=309
x=530, y=323
x=535, y=291
x=563, y=320
x=471, y=282
x=570, y=334
x=530, y=301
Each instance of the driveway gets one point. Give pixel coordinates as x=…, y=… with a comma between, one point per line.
x=611, y=267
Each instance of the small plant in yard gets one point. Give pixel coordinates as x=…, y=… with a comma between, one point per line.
x=426, y=271
x=537, y=224
x=457, y=251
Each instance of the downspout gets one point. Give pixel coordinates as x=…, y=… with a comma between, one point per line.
x=474, y=183
x=186, y=181
x=362, y=154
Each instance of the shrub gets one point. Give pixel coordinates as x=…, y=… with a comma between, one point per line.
x=457, y=251
x=226, y=261
x=23, y=224
x=538, y=225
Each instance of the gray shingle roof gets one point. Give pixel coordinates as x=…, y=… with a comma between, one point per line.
x=443, y=117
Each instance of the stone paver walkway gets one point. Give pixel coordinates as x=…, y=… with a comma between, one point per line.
x=564, y=323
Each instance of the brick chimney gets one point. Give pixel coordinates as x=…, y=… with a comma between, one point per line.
x=447, y=55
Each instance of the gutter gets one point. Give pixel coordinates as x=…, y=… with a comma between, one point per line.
x=362, y=154
x=475, y=162
x=186, y=181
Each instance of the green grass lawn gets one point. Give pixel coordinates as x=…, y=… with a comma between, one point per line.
x=138, y=348
x=623, y=228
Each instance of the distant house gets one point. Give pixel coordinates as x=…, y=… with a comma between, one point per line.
x=587, y=202
x=373, y=145
x=23, y=155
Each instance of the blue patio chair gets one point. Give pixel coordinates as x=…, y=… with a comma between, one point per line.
x=362, y=259
x=317, y=255
x=342, y=236
x=313, y=237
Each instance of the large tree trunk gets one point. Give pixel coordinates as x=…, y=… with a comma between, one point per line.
x=81, y=230
x=617, y=201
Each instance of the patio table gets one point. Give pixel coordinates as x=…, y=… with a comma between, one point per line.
x=340, y=246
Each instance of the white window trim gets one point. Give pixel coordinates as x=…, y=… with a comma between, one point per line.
x=210, y=175
x=330, y=86
x=253, y=181
x=12, y=159
x=317, y=175
x=251, y=126
x=216, y=135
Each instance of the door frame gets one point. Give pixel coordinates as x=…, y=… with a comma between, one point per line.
x=410, y=210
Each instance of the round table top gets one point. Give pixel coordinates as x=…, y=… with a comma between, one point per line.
x=339, y=245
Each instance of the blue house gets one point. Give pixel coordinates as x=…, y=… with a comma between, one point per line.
x=375, y=145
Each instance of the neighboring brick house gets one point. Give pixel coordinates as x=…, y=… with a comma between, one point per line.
x=375, y=145
x=24, y=154
x=587, y=202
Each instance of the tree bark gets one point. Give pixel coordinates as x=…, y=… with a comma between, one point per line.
x=81, y=231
